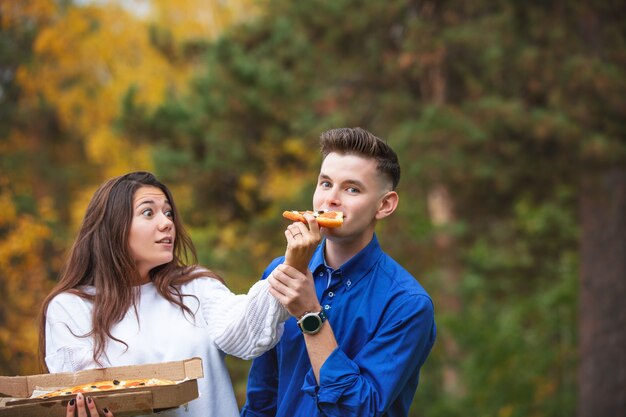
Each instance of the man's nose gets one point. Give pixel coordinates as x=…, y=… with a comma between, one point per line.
x=332, y=198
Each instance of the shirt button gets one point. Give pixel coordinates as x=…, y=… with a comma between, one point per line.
x=349, y=283
x=326, y=307
x=321, y=274
x=331, y=294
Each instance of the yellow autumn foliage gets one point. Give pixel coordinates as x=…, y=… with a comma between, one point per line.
x=90, y=57
x=86, y=59
x=104, y=146
x=24, y=280
x=110, y=55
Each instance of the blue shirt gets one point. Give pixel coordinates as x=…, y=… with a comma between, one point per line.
x=383, y=321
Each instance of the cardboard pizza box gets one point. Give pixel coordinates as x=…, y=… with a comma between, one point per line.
x=16, y=390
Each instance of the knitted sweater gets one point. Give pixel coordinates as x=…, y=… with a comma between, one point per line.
x=225, y=323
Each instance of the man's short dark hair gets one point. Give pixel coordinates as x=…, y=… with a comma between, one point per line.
x=360, y=142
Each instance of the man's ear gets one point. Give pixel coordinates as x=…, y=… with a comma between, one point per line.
x=388, y=205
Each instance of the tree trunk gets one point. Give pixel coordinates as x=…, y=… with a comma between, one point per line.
x=433, y=85
x=441, y=210
x=602, y=302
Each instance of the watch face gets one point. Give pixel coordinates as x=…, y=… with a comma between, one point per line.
x=311, y=323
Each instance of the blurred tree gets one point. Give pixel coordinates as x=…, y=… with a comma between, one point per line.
x=541, y=111
x=110, y=54
x=64, y=72
x=499, y=111
x=27, y=244
x=598, y=76
x=187, y=22
x=509, y=121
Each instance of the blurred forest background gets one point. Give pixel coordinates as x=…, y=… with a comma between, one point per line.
x=510, y=122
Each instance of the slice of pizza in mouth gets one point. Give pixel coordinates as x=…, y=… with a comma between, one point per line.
x=325, y=218
x=101, y=386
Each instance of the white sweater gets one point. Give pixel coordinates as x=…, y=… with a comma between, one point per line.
x=241, y=325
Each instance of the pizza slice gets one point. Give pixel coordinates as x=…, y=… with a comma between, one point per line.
x=100, y=386
x=325, y=218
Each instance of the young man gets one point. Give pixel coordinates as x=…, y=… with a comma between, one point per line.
x=362, y=326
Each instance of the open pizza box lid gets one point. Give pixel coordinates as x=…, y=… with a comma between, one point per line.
x=16, y=390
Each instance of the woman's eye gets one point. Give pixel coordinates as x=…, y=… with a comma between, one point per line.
x=147, y=212
x=169, y=214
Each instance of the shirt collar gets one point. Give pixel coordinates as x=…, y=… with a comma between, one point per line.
x=356, y=267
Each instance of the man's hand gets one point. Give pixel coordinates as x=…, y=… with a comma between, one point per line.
x=302, y=240
x=294, y=290
x=76, y=407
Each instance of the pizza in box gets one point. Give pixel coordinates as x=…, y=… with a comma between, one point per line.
x=101, y=386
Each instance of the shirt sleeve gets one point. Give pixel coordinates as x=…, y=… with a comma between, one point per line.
x=68, y=348
x=262, y=388
x=369, y=383
x=244, y=325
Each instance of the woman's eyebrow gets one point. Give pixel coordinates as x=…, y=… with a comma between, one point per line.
x=151, y=202
x=144, y=202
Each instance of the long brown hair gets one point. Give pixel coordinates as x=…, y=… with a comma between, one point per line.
x=100, y=257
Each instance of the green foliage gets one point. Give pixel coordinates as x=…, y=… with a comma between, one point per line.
x=520, y=295
x=501, y=103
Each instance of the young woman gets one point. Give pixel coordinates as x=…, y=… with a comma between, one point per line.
x=128, y=295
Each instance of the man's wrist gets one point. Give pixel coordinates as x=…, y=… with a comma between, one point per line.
x=314, y=309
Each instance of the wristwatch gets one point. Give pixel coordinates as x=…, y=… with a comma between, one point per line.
x=311, y=323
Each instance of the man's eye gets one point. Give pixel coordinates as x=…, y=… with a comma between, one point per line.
x=325, y=184
x=353, y=190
